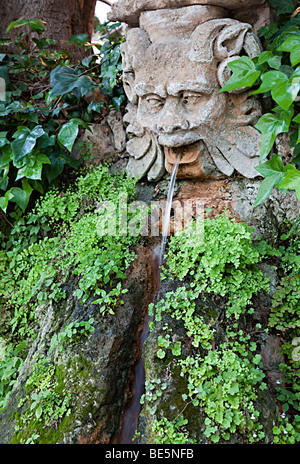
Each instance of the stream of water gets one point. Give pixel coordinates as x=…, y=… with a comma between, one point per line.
x=132, y=410
x=167, y=214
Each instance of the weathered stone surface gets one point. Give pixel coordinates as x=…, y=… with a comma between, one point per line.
x=128, y=11
x=99, y=143
x=115, y=122
x=94, y=371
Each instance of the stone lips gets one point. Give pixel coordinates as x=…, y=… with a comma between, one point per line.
x=128, y=11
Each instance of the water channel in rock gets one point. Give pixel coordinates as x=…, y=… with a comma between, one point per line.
x=133, y=407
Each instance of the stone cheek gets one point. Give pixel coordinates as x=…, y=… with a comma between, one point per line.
x=174, y=65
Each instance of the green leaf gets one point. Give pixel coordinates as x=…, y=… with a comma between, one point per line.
x=283, y=6
x=69, y=131
x=291, y=180
x=25, y=141
x=244, y=74
x=95, y=106
x=283, y=89
x=266, y=188
x=160, y=354
x=234, y=388
x=270, y=125
x=271, y=167
x=38, y=412
x=292, y=45
x=64, y=79
x=21, y=196
x=36, y=24
x=297, y=120
x=34, y=171
x=80, y=39
x=274, y=61
x=4, y=203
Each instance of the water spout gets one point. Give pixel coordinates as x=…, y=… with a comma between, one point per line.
x=166, y=221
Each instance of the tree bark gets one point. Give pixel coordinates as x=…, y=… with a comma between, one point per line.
x=63, y=18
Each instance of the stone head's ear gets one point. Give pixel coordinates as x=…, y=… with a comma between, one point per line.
x=230, y=41
x=133, y=52
x=228, y=46
x=219, y=39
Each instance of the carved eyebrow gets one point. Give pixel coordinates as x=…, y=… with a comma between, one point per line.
x=176, y=88
x=142, y=89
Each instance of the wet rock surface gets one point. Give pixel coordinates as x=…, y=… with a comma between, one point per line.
x=94, y=371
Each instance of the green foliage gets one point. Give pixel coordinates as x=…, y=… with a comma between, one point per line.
x=223, y=264
x=71, y=334
x=286, y=433
x=57, y=242
x=36, y=267
x=45, y=107
x=276, y=72
x=45, y=403
x=285, y=310
x=222, y=382
x=171, y=432
x=10, y=367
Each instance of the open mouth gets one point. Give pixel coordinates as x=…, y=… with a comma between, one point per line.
x=188, y=153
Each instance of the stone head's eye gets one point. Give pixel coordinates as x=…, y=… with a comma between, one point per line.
x=154, y=102
x=190, y=99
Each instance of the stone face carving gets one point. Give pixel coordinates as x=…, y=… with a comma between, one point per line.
x=174, y=65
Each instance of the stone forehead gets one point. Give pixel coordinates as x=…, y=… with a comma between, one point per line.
x=129, y=11
x=166, y=63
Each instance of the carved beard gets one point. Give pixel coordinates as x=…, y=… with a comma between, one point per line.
x=218, y=156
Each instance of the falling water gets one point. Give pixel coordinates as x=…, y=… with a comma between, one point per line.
x=166, y=222
x=132, y=410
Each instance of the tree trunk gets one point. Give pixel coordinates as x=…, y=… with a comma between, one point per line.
x=63, y=18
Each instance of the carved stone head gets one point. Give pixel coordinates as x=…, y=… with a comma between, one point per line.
x=174, y=65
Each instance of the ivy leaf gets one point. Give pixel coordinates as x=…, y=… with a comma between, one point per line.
x=244, y=74
x=266, y=188
x=283, y=89
x=273, y=172
x=33, y=171
x=69, y=131
x=64, y=79
x=291, y=180
x=274, y=61
x=4, y=202
x=283, y=6
x=270, y=125
x=21, y=196
x=53, y=170
x=297, y=120
x=25, y=141
x=271, y=167
x=80, y=39
x=292, y=45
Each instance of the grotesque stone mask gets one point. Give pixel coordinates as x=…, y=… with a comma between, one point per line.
x=174, y=66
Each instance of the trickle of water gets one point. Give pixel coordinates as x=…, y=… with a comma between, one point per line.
x=166, y=222
x=132, y=411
